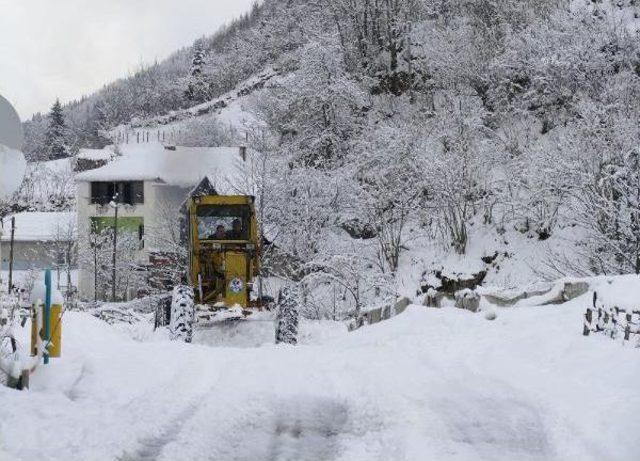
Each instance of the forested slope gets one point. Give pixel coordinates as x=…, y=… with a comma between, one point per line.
x=399, y=125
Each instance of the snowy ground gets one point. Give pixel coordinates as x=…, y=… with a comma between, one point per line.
x=427, y=385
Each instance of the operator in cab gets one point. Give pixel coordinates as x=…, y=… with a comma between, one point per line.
x=236, y=230
x=220, y=233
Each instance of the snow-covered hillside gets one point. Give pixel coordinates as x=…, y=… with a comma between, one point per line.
x=427, y=385
x=484, y=154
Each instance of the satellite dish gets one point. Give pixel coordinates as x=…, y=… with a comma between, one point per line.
x=10, y=126
x=12, y=163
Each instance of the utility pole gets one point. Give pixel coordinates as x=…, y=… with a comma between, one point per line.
x=115, y=244
x=13, y=235
x=95, y=271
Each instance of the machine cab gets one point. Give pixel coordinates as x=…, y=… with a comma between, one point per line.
x=224, y=249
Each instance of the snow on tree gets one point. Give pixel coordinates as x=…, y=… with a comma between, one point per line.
x=340, y=286
x=168, y=249
x=96, y=251
x=610, y=210
x=406, y=119
x=389, y=173
x=315, y=111
x=93, y=257
x=197, y=90
x=46, y=187
x=64, y=249
x=57, y=135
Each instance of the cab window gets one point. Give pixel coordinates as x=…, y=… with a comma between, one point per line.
x=223, y=222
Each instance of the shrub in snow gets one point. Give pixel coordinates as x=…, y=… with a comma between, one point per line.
x=450, y=281
x=468, y=299
x=336, y=286
x=433, y=298
x=287, y=316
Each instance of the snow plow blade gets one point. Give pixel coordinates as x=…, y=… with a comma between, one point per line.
x=207, y=315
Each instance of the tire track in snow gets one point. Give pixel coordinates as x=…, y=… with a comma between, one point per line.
x=151, y=447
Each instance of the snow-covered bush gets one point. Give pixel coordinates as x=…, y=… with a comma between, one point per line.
x=467, y=299
x=47, y=186
x=610, y=211
x=95, y=255
x=339, y=286
x=205, y=132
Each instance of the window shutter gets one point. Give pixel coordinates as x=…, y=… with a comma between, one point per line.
x=138, y=192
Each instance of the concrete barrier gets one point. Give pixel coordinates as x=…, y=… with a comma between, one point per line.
x=380, y=314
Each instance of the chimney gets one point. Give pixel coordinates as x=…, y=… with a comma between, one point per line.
x=243, y=153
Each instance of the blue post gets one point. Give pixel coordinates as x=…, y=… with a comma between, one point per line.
x=47, y=313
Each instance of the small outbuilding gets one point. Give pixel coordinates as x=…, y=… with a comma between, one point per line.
x=40, y=240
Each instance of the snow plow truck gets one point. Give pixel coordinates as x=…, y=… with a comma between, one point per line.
x=223, y=240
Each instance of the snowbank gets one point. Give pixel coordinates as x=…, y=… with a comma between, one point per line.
x=621, y=291
x=439, y=384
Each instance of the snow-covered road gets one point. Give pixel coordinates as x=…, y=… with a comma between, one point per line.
x=427, y=385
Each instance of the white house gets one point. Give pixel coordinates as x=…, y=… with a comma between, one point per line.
x=41, y=240
x=151, y=181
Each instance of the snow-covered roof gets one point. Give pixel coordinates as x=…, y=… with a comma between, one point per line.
x=60, y=166
x=184, y=166
x=39, y=226
x=96, y=154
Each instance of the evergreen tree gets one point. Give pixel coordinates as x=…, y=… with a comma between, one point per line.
x=56, y=135
x=197, y=86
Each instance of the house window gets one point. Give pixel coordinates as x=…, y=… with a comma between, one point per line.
x=127, y=192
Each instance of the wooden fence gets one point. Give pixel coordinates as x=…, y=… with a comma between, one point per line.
x=613, y=321
x=146, y=136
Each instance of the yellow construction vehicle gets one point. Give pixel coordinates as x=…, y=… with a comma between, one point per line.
x=224, y=261
x=224, y=250
x=223, y=239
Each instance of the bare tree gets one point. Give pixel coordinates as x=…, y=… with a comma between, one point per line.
x=64, y=250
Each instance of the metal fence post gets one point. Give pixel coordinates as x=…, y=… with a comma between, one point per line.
x=47, y=314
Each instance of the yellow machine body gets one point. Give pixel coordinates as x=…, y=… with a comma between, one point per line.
x=224, y=249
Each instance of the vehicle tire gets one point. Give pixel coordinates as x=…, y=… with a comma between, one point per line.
x=182, y=314
x=163, y=311
x=287, y=317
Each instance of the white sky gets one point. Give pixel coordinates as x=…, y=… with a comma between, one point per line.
x=68, y=48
